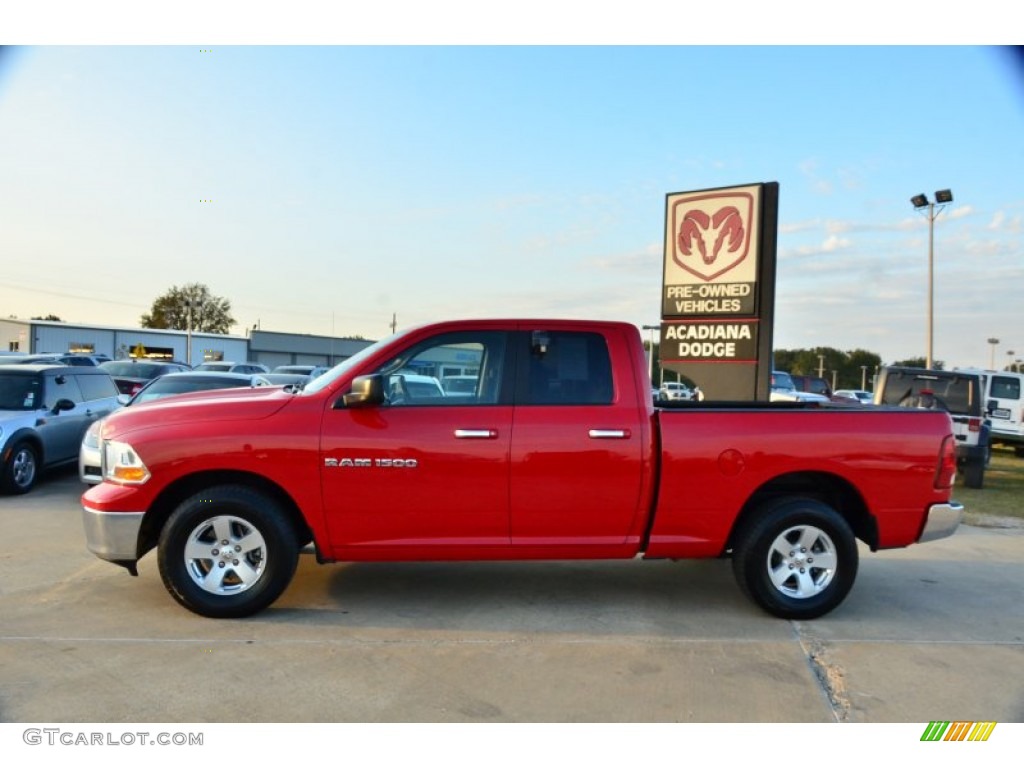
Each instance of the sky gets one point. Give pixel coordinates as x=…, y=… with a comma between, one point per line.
x=327, y=189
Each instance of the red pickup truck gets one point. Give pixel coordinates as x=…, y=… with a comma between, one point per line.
x=555, y=452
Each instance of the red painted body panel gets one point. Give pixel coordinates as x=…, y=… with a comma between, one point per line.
x=714, y=461
x=531, y=481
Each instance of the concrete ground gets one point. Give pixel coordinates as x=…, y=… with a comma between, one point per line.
x=933, y=632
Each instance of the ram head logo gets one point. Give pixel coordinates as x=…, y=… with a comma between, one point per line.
x=710, y=233
x=710, y=241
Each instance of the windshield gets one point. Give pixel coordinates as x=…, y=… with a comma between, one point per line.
x=325, y=380
x=782, y=381
x=19, y=393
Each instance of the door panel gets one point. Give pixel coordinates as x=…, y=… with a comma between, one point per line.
x=577, y=453
x=426, y=472
x=417, y=477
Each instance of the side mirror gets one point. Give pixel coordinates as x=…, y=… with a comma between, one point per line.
x=366, y=391
x=63, y=405
x=990, y=406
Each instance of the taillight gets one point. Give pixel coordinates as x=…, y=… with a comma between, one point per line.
x=945, y=473
x=974, y=424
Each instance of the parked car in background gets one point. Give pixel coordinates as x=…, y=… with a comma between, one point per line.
x=44, y=412
x=804, y=383
x=460, y=386
x=1004, y=405
x=177, y=383
x=132, y=375
x=961, y=394
x=309, y=370
x=66, y=358
x=675, y=390
x=783, y=389
x=411, y=387
x=860, y=395
x=287, y=379
x=222, y=366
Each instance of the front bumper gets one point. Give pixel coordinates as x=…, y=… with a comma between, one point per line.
x=942, y=521
x=112, y=536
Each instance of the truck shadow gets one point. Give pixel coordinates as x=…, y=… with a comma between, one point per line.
x=600, y=597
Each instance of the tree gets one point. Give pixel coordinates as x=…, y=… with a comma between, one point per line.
x=846, y=369
x=920, y=362
x=210, y=314
x=51, y=316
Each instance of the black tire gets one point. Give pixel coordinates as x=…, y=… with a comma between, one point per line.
x=257, y=566
x=796, y=558
x=974, y=473
x=20, y=469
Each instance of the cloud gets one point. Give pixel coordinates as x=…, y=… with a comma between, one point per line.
x=1002, y=222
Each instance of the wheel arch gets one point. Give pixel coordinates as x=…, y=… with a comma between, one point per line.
x=181, y=489
x=27, y=436
x=827, y=488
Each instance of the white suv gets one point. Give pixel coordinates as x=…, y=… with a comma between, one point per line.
x=1004, y=405
x=785, y=391
x=674, y=390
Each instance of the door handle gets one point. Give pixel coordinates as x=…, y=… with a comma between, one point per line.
x=609, y=434
x=476, y=434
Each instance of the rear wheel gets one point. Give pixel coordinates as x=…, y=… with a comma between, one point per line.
x=21, y=469
x=227, y=552
x=797, y=559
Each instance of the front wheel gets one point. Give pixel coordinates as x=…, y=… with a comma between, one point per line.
x=797, y=559
x=227, y=552
x=21, y=469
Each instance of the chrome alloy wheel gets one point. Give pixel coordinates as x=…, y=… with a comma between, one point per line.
x=802, y=561
x=225, y=555
x=23, y=467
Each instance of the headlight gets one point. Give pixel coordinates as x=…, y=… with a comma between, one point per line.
x=121, y=464
x=92, y=436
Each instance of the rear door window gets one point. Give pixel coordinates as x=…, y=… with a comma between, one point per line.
x=1005, y=388
x=567, y=368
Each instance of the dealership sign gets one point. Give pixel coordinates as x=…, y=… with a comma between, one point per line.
x=718, y=289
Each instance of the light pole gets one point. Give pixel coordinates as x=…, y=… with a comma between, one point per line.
x=652, y=329
x=190, y=304
x=992, y=354
x=863, y=377
x=1009, y=359
x=921, y=202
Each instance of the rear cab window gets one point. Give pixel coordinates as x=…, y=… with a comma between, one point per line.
x=566, y=368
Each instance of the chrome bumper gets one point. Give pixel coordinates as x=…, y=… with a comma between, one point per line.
x=112, y=536
x=942, y=521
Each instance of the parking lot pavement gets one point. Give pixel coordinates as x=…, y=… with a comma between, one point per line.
x=933, y=632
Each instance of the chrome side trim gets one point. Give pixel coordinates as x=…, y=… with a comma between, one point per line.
x=481, y=434
x=614, y=434
x=943, y=520
x=112, y=535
